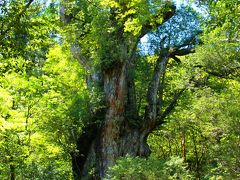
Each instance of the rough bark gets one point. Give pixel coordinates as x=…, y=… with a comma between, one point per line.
x=115, y=89
x=117, y=136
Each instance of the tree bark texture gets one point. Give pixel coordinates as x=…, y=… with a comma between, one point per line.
x=117, y=136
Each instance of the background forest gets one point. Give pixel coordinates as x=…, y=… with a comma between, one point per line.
x=48, y=91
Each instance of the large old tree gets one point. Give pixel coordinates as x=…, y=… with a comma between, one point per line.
x=105, y=36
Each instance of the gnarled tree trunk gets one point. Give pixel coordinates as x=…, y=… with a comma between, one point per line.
x=99, y=148
x=121, y=131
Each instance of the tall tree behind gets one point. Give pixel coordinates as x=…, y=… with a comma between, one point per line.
x=104, y=37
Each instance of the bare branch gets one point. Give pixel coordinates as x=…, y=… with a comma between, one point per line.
x=170, y=107
x=176, y=59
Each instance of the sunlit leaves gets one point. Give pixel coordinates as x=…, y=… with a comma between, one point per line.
x=44, y=114
x=133, y=26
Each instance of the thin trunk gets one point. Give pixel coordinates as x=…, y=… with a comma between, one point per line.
x=196, y=156
x=12, y=172
x=183, y=146
x=12, y=169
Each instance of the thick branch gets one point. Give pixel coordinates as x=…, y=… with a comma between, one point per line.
x=151, y=109
x=75, y=46
x=181, y=52
x=186, y=47
x=151, y=112
x=160, y=93
x=190, y=41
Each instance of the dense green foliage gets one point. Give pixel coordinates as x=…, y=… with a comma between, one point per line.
x=45, y=101
x=39, y=95
x=138, y=168
x=40, y=119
